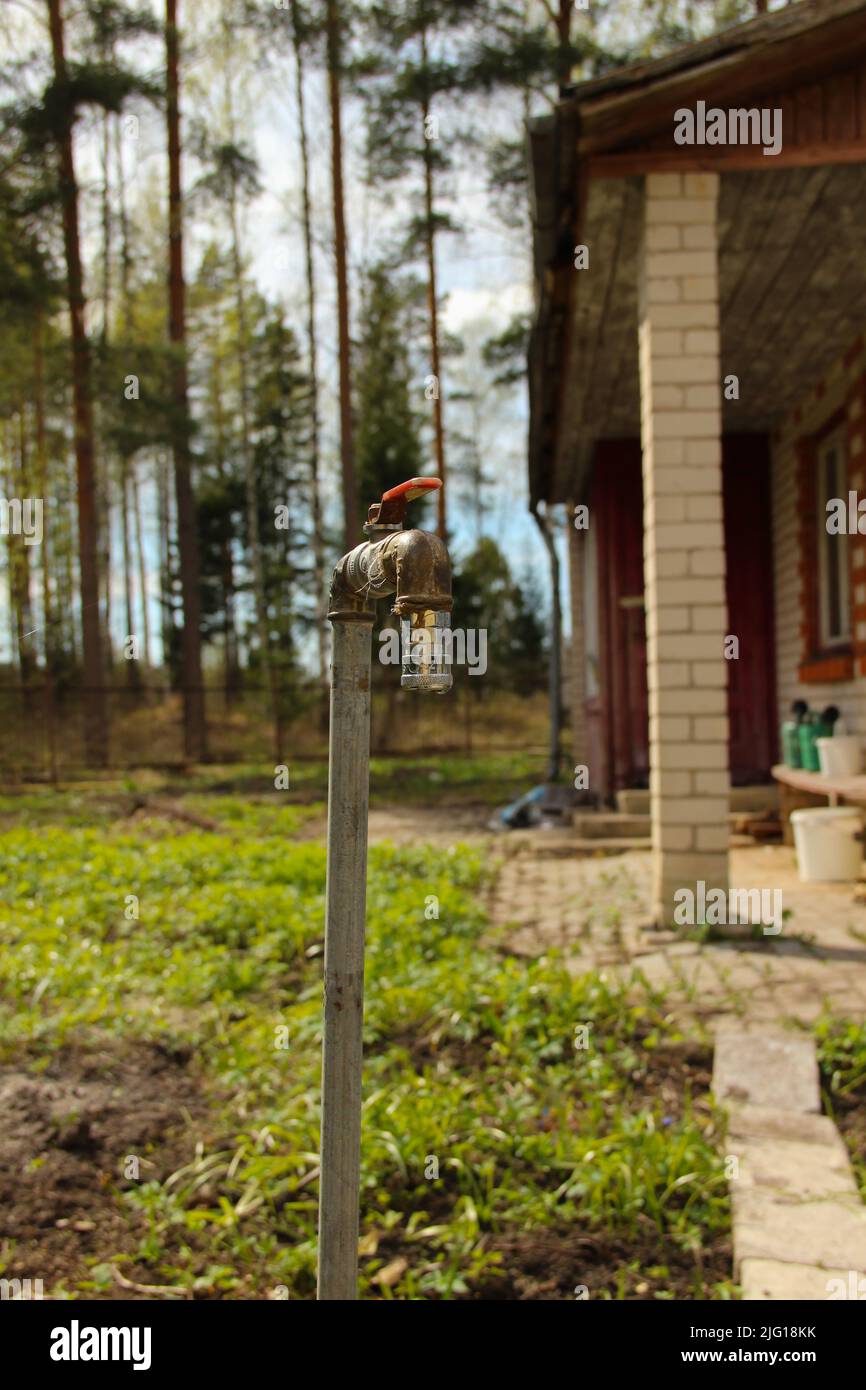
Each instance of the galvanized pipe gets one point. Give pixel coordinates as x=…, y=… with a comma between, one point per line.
x=414, y=566
x=345, y=908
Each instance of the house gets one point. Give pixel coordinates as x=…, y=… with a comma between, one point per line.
x=698, y=387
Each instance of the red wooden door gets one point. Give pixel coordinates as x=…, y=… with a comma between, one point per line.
x=616, y=502
x=617, y=510
x=749, y=585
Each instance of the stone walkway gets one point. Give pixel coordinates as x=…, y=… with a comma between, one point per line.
x=597, y=910
x=798, y=1221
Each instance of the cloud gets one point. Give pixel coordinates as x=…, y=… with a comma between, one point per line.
x=491, y=308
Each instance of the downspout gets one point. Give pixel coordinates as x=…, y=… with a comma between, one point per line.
x=414, y=566
x=554, y=670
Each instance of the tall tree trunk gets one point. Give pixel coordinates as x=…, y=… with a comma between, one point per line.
x=133, y=545
x=11, y=606
x=166, y=597
x=269, y=671
x=127, y=553
x=41, y=480
x=231, y=662
x=133, y=670
x=194, y=730
x=251, y=491
x=347, y=457
x=104, y=498
x=142, y=566
x=68, y=602
x=106, y=480
x=19, y=559
x=105, y=220
x=51, y=640
x=432, y=299
x=563, y=30
x=554, y=674
x=126, y=306
x=95, y=708
x=313, y=349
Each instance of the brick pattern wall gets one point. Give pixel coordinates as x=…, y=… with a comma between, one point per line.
x=855, y=428
x=801, y=672
x=684, y=558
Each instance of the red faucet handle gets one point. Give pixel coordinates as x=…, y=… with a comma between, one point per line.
x=392, y=508
x=415, y=487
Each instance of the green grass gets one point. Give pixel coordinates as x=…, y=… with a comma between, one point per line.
x=841, y=1045
x=481, y=780
x=842, y=1054
x=471, y=1071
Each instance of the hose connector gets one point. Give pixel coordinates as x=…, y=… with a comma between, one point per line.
x=425, y=642
x=415, y=567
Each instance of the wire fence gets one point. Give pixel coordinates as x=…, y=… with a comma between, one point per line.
x=42, y=726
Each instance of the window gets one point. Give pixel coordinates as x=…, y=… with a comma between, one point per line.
x=834, y=605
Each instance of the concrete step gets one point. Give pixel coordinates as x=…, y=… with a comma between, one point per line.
x=760, y=798
x=609, y=825
x=554, y=844
x=635, y=801
x=614, y=825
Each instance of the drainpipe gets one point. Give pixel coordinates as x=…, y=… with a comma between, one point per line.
x=554, y=670
x=414, y=566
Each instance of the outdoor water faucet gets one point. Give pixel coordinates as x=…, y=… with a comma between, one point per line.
x=412, y=565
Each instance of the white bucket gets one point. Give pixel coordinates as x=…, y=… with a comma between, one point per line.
x=826, y=848
x=841, y=756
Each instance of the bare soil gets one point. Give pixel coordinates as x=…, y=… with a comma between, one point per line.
x=558, y=1264
x=67, y=1132
x=417, y=825
x=849, y=1116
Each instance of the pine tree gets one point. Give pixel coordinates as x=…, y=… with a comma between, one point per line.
x=231, y=181
x=412, y=62
x=334, y=23
x=63, y=109
x=389, y=441
x=194, y=725
x=301, y=30
x=221, y=492
x=280, y=423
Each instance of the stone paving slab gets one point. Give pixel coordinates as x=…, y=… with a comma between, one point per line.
x=774, y=1279
x=829, y=1232
x=788, y=1166
x=766, y=1068
x=761, y=1122
x=795, y=1201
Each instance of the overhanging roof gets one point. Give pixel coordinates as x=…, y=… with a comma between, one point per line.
x=586, y=162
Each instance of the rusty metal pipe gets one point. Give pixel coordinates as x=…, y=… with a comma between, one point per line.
x=412, y=565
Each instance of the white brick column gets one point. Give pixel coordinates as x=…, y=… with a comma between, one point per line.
x=684, y=554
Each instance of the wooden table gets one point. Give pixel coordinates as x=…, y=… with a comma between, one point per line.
x=836, y=789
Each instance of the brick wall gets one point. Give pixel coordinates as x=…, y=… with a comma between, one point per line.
x=802, y=670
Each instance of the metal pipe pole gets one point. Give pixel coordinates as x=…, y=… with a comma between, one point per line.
x=345, y=910
x=414, y=566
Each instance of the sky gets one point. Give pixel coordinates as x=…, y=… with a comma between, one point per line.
x=483, y=270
